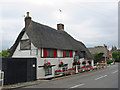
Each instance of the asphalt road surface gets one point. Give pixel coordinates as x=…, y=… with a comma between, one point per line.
x=105, y=78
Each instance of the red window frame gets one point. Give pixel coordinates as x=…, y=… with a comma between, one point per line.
x=44, y=53
x=64, y=54
x=55, y=53
x=71, y=54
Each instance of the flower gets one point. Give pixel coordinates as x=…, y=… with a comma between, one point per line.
x=88, y=66
x=86, y=69
x=66, y=71
x=46, y=65
x=58, y=71
x=83, y=66
x=102, y=62
x=80, y=70
x=78, y=62
x=71, y=69
x=95, y=67
x=91, y=68
x=61, y=64
x=84, y=62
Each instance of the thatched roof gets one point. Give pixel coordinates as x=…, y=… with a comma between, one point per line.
x=43, y=36
x=98, y=50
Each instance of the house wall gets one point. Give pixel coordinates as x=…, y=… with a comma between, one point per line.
x=25, y=53
x=53, y=61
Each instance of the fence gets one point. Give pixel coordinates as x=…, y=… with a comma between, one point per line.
x=1, y=79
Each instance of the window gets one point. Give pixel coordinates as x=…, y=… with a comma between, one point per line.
x=25, y=44
x=64, y=68
x=48, y=71
x=83, y=54
x=49, y=53
x=67, y=53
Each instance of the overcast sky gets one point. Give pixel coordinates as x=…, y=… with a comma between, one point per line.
x=94, y=22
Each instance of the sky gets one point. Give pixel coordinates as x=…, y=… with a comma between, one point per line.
x=94, y=22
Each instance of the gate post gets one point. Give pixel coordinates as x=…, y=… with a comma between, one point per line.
x=1, y=79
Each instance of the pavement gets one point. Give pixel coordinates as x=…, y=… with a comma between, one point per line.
x=103, y=78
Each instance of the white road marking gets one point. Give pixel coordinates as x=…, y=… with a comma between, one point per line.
x=77, y=85
x=101, y=77
x=114, y=71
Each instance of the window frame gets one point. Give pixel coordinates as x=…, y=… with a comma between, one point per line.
x=67, y=54
x=49, y=55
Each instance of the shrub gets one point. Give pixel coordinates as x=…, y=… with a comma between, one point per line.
x=109, y=61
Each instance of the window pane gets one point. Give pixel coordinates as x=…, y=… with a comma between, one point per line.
x=48, y=71
x=67, y=53
x=49, y=52
x=25, y=45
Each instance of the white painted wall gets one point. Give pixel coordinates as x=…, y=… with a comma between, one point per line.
x=53, y=61
x=25, y=53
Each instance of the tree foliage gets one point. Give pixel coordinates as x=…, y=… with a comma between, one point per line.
x=4, y=53
x=98, y=57
x=114, y=48
x=116, y=56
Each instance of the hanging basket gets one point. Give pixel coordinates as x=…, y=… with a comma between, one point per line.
x=47, y=65
x=61, y=64
x=89, y=62
x=78, y=63
x=84, y=62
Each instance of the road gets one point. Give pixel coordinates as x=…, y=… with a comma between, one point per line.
x=105, y=78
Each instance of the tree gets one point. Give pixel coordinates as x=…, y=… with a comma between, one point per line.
x=116, y=56
x=114, y=48
x=98, y=56
x=4, y=53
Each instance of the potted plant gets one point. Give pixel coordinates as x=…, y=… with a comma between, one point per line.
x=88, y=66
x=91, y=68
x=83, y=68
x=58, y=72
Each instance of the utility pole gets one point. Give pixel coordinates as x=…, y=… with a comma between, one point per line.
x=105, y=54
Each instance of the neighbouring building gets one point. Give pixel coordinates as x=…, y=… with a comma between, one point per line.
x=107, y=54
x=48, y=45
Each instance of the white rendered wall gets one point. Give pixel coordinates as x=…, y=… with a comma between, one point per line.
x=53, y=61
x=25, y=53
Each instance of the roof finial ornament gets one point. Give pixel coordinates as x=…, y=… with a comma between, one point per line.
x=60, y=15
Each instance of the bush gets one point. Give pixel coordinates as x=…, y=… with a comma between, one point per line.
x=109, y=61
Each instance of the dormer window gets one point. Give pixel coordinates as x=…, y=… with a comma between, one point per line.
x=25, y=44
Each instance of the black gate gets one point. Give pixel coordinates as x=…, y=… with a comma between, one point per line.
x=17, y=70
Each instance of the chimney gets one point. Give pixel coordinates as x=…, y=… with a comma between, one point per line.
x=60, y=26
x=27, y=21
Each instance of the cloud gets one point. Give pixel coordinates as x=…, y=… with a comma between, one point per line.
x=93, y=22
